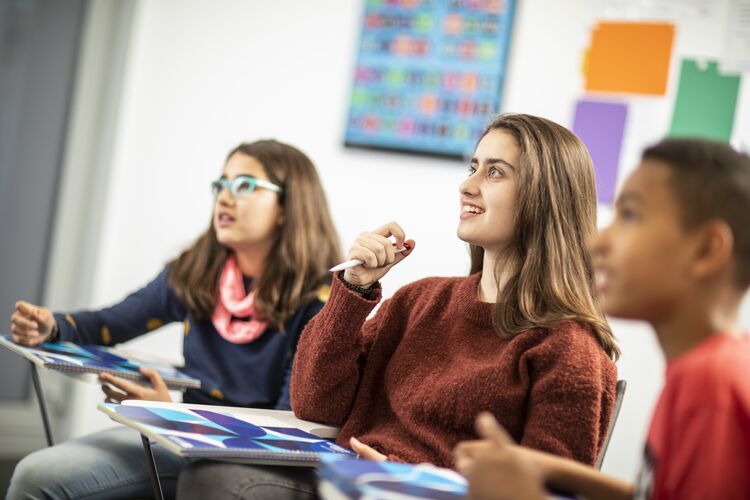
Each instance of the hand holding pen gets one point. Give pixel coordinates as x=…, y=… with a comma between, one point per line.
x=376, y=254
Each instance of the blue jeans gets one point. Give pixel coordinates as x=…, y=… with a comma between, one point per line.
x=109, y=464
x=204, y=479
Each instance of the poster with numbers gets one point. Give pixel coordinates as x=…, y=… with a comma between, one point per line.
x=429, y=74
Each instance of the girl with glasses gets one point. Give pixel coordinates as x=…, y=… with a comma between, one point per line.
x=244, y=291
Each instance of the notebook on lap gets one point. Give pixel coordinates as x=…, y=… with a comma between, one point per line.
x=364, y=479
x=343, y=478
x=224, y=434
x=72, y=358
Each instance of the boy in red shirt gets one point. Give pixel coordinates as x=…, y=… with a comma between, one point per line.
x=678, y=256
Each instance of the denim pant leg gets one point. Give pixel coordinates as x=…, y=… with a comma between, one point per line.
x=109, y=464
x=217, y=480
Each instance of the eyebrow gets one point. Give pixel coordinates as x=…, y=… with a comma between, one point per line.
x=494, y=161
x=238, y=176
x=628, y=197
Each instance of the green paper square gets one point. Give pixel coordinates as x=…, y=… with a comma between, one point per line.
x=705, y=103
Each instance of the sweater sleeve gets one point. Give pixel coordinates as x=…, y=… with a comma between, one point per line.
x=331, y=355
x=571, y=396
x=282, y=403
x=142, y=311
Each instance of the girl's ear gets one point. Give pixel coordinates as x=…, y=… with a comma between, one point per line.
x=281, y=217
x=714, y=250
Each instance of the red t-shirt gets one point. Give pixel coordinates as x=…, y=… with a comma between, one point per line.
x=699, y=441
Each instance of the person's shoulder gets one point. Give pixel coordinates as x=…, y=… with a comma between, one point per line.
x=568, y=342
x=159, y=283
x=714, y=372
x=568, y=335
x=163, y=281
x=162, y=277
x=718, y=361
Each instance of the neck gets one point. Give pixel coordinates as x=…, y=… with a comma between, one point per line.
x=489, y=286
x=252, y=260
x=696, y=319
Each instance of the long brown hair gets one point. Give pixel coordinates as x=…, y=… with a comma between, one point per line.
x=306, y=245
x=549, y=271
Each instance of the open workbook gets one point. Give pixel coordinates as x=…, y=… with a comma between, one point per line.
x=71, y=358
x=342, y=478
x=228, y=433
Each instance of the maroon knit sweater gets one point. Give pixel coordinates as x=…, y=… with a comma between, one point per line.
x=410, y=381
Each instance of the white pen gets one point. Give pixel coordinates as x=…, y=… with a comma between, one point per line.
x=355, y=262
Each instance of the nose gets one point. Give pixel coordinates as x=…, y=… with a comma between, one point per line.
x=469, y=186
x=225, y=197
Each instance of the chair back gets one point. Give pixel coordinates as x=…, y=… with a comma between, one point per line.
x=619, y=394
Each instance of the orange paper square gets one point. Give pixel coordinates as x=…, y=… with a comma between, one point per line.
x=627, y=57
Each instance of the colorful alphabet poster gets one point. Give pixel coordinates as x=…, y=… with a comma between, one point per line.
x=429, y=74
x=706, y=102
x=601, y=126
x=629, y=57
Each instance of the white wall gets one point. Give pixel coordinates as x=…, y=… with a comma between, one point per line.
x=203, y=76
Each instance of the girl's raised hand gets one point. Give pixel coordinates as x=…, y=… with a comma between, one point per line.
x=378, y=254
x=31, y=325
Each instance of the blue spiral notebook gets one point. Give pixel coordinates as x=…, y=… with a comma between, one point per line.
x=202, y=433
x=87, y=358
x=345, y=478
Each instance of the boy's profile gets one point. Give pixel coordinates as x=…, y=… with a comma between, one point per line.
x=678, y=256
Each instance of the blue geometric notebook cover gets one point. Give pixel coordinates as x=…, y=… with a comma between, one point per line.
x=210, y=434
x=88, y=358
x=371, y=480
x=343, y=478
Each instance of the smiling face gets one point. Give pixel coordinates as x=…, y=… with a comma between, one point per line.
x=488, y=195
x=251, y=221
x=642, y=260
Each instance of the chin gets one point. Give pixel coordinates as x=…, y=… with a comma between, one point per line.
x=620, y=310
x=224, y=240
x=466, y=238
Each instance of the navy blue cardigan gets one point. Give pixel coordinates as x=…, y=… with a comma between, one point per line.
x=254, y=375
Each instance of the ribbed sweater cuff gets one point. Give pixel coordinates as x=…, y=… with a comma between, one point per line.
x=350, y=305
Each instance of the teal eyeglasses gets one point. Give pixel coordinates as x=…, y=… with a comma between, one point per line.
x=242, y=185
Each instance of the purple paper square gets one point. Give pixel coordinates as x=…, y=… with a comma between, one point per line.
x=601, y=126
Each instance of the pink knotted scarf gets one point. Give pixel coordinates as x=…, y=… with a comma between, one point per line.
x=232, y=301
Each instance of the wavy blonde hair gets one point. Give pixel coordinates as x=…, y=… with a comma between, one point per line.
x=549, y=272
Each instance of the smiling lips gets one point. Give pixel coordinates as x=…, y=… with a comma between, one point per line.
x=601, y=277
x=470, y=210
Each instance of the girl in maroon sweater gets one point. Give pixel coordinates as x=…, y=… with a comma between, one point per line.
x=521, y=337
